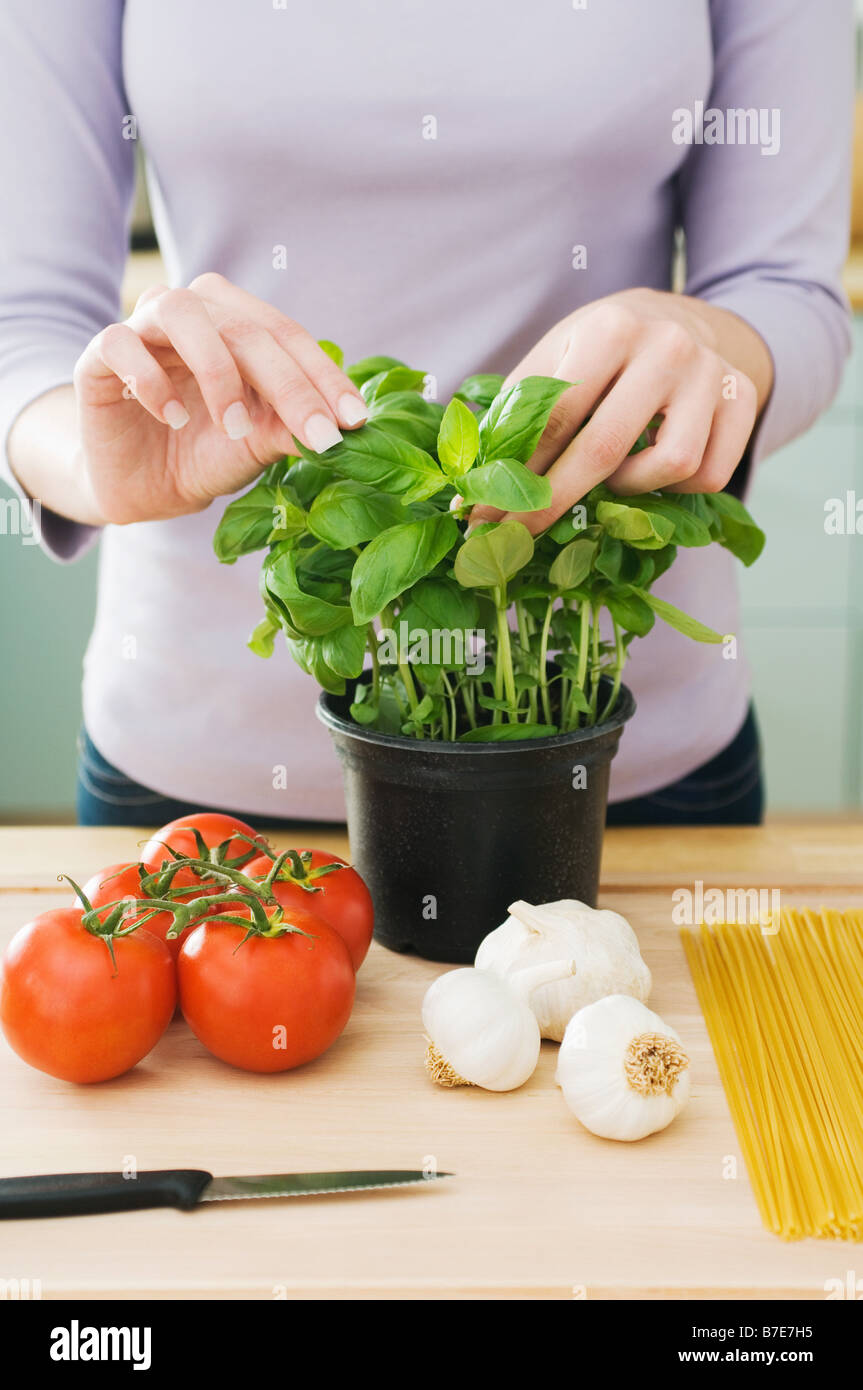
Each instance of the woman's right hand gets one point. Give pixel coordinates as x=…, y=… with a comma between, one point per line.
x=193, y=395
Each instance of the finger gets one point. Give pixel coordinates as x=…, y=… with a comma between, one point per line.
x=338, y=391
x=593, y=354
x=729, y=437
x=280, y=381
x=680, y=443
x=597, y=348
x=151, y=292
x=180, y=320
x=118, y=351
x=599, y=449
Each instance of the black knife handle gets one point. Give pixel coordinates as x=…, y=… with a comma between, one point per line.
x=76, y=1194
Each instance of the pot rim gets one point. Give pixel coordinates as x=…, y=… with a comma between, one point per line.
x=624, y=710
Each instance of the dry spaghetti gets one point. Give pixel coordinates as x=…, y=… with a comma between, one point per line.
x=783, y=1006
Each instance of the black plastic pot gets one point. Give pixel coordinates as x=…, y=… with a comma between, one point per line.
x=447, y=835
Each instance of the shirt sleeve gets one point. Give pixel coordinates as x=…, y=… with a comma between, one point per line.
x=67, y=168
x=767, y=223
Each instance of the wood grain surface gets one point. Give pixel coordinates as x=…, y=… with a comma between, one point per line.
x=538, y=1208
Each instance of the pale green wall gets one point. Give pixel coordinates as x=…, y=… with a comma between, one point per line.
x=803, y=624
x=45, y=617
x=803, y=611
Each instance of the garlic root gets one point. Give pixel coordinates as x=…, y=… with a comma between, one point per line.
x=440, y=1070
x=623, y=1071
x=652, y=1063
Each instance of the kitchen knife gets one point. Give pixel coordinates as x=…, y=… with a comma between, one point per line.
x=76, y=1194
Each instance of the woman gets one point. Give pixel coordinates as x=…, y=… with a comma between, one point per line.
x=467, y=187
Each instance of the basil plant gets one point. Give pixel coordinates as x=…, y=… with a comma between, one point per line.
x=372, y=576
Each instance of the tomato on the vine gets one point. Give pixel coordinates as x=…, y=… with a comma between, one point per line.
x=214, y=827
x=341, y=897
x=264, y=1002
x=119, y=881
x=69, y=1009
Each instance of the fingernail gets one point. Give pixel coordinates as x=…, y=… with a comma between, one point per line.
x=352, y=410
x=321, y=433
x=175, y=414
x=237, y=421
x=457, y=501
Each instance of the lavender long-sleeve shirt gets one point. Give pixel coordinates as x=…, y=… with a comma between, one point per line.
x=417, y=179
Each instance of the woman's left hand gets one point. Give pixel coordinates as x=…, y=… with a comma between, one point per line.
x=633, y=356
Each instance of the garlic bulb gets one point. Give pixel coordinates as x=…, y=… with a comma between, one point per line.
x=602, y=944
x=481, y=1030
x=622, y=1070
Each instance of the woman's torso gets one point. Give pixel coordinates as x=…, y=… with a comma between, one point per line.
x=436, y=181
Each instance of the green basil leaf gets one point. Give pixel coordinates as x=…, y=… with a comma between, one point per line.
x=396, y=559
x=289, y=519
x=306, y=477
x=263, y=637
x=507, y=484
x=489, y=702
x=624, y=565
x=346, y=513
x=634, y=525
x=573, y=564
x=514, y=422
x=308, y=654
x=360, y=372
x=569, y=526
x=394, y=379
x=369, y=455
x=440, y=604
x=365, y=713
x=429, y=675
x=506, y=733
x=630, y=611
x=321, y=563
x=492, y=554
x=310, y=615
x=739, y=533
x=566, y=627
x=410, y=416
x=689, y=529
x=458, y=438
x=523, y=681
x=423, y=712
x=578, y=699
x=246, y=523
x=681, y=622
x=333, y=352
x=662, y=560
x=344, y=650
x=480, y=389
x=698, y=505
x=443, y=612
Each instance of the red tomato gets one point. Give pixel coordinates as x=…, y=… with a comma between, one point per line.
x=124, y=881
x=344, y=900
x=214, y=828
x=65, y=1008
x=271, y=1003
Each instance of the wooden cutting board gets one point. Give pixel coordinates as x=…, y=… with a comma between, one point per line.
x=538, y=1208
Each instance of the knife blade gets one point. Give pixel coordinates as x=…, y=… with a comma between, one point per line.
x=80, y=1194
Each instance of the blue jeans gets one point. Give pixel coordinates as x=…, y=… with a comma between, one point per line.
x=726, y=790
x=106, y=796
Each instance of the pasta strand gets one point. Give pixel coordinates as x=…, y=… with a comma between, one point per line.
x=783, y=1005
